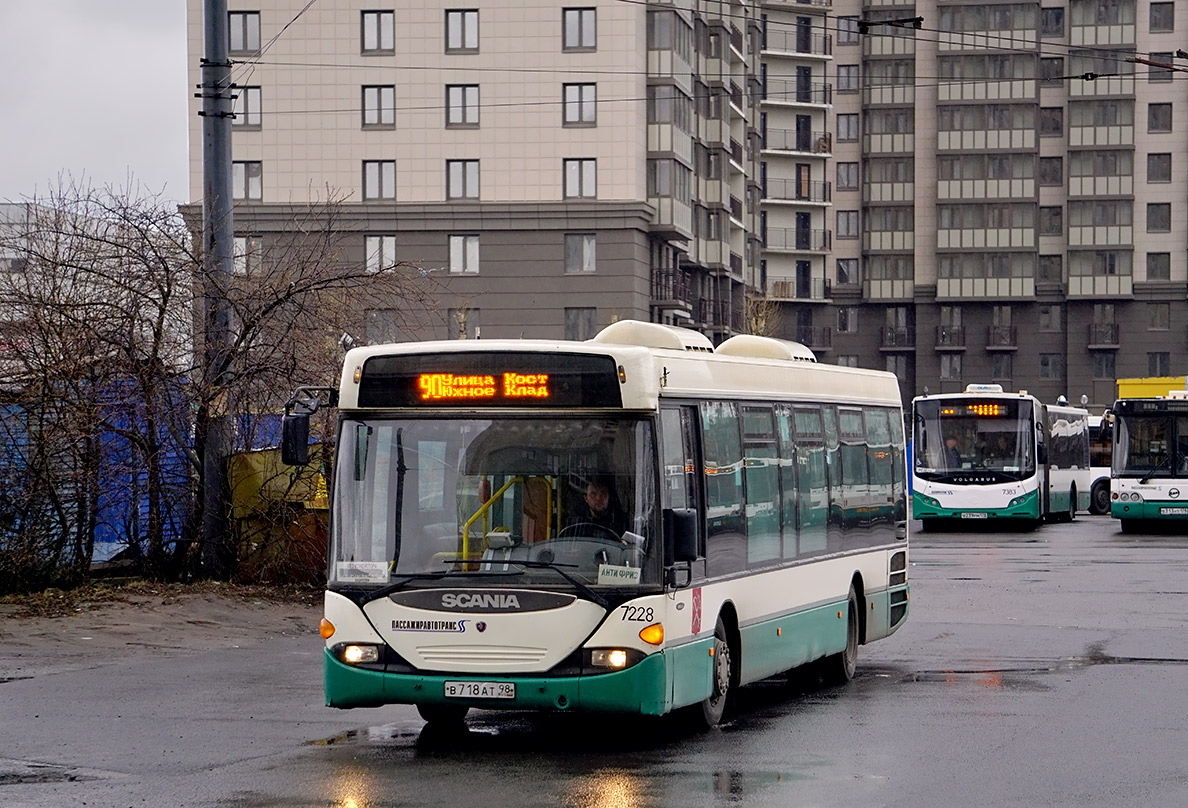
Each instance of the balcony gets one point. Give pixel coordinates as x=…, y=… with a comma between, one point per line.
x=670, y=289
x=780, y=190
x=1103, y=336
x=950, y=338
x=795, y=239
x=897, y=339
x=1002, y=338
x=786, y=288
x=792, y=140
x=788, y=91
x=784, y=41
x=818, y=338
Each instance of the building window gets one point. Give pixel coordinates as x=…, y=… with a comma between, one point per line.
x=1052, y=71
x=462, y=32
x=1163, y=17
x=462, y=179
x=379, y=32
x=847, y=224
x=580, y=322
x=1159, y=167
x=847, y=127
x=579, y=29
x=1050, y=318
x=464, y=323
x=380, y=251
x=247, y=108
x=1159, y=117
x=848, y=360
x=950, y=366
x=379, y=107
x=581, y=104
x=462, y=106
x=847, y=78
x=1051, y=366
x=1158, y=217
x=1051, y=171
x=247, y=180
x=581, y=178
x=1051, y=221
x=847, y=270
x=847, y=176
x=847, y=320
x=243, y=31
x=379, y=179
x=1159, y=266
x=1158, y=316
x=382, y=325
x=1103, y=364
x=897, y=364
x=245, y=254
x=1157, y=74
x=1051, y=122
x=1001, y=366
x=1050, y=269
x=580, y=253
x=847, y=31
x=1051, y=22
x=1158, y=363
x=464, y=254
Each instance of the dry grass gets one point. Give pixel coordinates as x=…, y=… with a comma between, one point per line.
x=98, y=595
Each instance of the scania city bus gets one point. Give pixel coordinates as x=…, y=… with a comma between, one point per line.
x=763, y=521
x=1149, y=478
x=989, y=454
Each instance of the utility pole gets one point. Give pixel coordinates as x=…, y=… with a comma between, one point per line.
x=217, y=267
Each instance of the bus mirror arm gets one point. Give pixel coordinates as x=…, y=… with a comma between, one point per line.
x=295, y=422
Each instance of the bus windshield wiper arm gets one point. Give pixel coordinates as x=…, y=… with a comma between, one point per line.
x=546, y=565
x=396, y=586
x=1147, y=477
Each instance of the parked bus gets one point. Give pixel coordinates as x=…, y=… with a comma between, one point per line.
x=1101, y=449
x=989, y=454
x=1150, y=470
x=761, y=497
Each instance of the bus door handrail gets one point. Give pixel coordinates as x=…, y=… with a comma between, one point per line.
x=482, y=511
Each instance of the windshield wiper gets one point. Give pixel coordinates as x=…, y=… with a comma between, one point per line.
x=396, y=586
x=1147, y=477
x=548, y=565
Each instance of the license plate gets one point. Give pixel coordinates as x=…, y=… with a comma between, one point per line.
x=973, y=516
x=1173, y=511
x=480, y=690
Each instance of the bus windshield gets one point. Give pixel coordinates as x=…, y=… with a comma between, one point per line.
x=956, y=435
x=498, y=500
x=1151, y=446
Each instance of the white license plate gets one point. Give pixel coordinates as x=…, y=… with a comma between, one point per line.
x=973, y=516
x=1173, y=511
x=480, y=690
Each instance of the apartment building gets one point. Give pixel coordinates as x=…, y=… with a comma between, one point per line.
x=955, y=192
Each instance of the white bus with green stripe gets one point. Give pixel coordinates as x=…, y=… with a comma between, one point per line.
x=1149, y=485
x=986, y=454
x=763, y=521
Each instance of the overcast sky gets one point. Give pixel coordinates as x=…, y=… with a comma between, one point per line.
x=96, y=89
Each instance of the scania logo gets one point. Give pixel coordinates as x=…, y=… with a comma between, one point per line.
x=1174, y=493
x=486, y=601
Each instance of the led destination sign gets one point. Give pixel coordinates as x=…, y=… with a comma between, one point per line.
x=980, y=410
x=490, y=379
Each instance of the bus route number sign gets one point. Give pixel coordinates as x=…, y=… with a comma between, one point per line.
x=480, y=690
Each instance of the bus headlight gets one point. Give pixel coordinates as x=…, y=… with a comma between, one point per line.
x=359, y=654
x=608, y=658
x=1018, y=501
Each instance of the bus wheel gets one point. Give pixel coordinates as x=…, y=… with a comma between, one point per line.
x=839, y=668
x=722, y=673
x=1099, y=497
x=443, y=713
x=1072, y=504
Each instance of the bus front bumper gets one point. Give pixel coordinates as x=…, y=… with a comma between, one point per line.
x=1025, y=506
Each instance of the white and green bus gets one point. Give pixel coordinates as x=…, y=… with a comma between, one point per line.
x=989, y=454
x=762, y=521
x=1149, y=478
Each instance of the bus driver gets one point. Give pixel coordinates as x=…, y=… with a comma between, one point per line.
x=598, y=507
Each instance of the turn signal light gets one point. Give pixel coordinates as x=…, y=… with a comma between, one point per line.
x=653, y=634
x=326, y=629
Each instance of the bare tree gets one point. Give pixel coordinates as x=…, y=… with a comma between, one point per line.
x=763, y=315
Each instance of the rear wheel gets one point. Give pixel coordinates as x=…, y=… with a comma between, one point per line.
x=839, y=668
x=722, y=674
x=443, y=713
x=1099, y=497
x=1072, y=503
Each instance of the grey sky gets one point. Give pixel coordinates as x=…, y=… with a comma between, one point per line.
x=96, y=89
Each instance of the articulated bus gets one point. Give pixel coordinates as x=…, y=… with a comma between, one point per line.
x=989, y=454
x=1150, y=472
x=762, y=521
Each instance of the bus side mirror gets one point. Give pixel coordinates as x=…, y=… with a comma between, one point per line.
x=1041, y=454
x=680, y=535
x=295, y=439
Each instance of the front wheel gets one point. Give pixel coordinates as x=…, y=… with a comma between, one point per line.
x=1099, y=497
x=443, y=713
x=839, y=668
x=722, y=674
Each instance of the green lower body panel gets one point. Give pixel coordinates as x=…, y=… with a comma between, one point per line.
x=641, y=689
x=1163, y=511
x=792, y=640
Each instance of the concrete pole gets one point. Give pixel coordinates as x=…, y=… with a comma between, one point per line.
x=217, y=258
